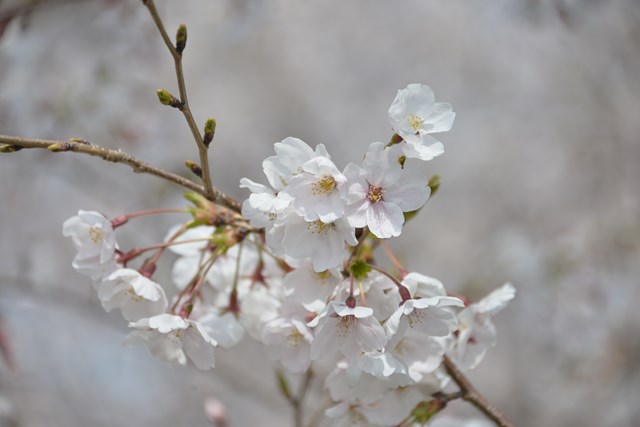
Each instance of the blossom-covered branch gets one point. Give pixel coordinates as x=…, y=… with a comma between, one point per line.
x=14, y=143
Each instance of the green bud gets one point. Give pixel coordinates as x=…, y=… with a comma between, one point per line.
x=209, y=131
x=166, y=98
x=198, y=200
x=194, y=167
x=8, y=148
x=434, y=184
x=424, y=411
x=59, y=147
x=181, y=38
x=359, y=269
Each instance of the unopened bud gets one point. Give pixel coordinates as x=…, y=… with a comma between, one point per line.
x=79, y=141
x=424, y=411
x=181, y=38
x=216, y=412
x=194, y=167
x=167, y=99
x=351, y=301
x=209, y=131
x=59, y=147
x=8, y=148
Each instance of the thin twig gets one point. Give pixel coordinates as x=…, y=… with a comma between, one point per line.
x=118, y=156
x=186, y=111
x=471, y=395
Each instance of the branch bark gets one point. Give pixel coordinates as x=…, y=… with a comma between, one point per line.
x=186, y=111
x=471, y=395
x=118, y=156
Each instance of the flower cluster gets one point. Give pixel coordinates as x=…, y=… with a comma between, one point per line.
x=296, y=271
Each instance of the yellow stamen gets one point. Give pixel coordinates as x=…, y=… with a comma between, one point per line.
x=415, y=121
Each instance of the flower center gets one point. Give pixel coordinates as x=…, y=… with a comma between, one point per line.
x=344, y=324
x=415, y=121
x=324, y=185
x=95, y=235
x=133, y=296
x=375, y=193
x=319, y=227
x=294, y=338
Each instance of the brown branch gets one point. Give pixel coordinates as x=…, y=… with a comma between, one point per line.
x=118, y=156
x=471, y=395
x=186, y=111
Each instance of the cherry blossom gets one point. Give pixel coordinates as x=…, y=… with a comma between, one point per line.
x=95, y=242
x=172, y=339
x=135, y=295
x=476, y=331
x=323, y=243
x=349, y=330
x=414, y=115
x=380, y=191
x=317, y=190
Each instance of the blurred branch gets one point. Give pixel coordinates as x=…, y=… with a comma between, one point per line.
x=471, y=395
x=14, y=143
x=186, y=111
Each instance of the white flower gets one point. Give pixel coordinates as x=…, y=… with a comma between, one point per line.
x=316, y=190
x=420, y=353
x=323, y=242
x=414, y=115
x=95, y=243
x=380, y=191
x=426, y=315
x=288, y=340
x=423, y=286
x=291, y=154
x=135, y=295
x=309, y=287
x=476, y=332
x=172, y=339
x=223, y=327
x=349, y=330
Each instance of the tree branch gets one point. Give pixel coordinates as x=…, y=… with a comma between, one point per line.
x=471, y=395
x=118, y=156
x=186, y=111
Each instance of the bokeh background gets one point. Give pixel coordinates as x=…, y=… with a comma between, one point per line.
x=540, y=184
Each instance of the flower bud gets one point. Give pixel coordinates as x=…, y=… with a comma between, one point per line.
x=181, y=38
x=209, y=131
x=167, y=99
x=8, y=148
x=59, y=147
x=194, y=167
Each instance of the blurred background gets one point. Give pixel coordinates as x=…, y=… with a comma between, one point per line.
x=540, y=185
